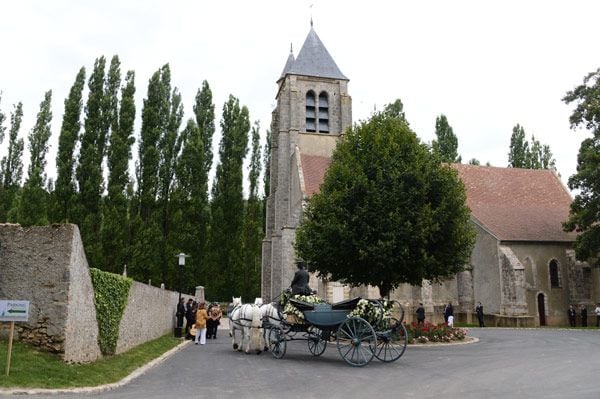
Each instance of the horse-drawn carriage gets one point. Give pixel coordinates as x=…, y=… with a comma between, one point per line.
x=380, y=333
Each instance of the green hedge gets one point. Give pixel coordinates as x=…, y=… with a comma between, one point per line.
x=110, y=293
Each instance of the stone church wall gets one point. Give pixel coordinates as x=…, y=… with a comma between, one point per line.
x=47, y=266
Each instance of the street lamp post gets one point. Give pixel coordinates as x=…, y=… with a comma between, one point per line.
x=181, y=258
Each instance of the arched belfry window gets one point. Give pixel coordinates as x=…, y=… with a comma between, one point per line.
x=323, y=113
x=554, y=272
x=311, y=117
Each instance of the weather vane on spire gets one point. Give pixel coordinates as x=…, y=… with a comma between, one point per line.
x=311, y=21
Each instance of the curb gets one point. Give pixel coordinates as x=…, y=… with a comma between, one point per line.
x=100, y=388
x=469, y=340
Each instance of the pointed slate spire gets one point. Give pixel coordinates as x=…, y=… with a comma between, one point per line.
x=314, y=60
x=288, y=63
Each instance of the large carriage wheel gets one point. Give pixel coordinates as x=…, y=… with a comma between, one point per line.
x=397, y=311
x=391, y=342
x=316, y=343
x=356, y=341
x=277, y=342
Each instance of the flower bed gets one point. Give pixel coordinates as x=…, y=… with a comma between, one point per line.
x=428, y=332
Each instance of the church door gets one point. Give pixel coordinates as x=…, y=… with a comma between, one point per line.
x=541, y=309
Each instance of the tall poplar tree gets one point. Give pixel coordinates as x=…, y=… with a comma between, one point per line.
x=64, y=192
x=227, y=207
x=11, y=167
x=89, y=170
x=191, y=196
x=147, y=236
x=2, y=119
x=169, y=146
x=253, y=224
x=446, y=145
x=519, y=148
x=115, y=225
x=32, y=207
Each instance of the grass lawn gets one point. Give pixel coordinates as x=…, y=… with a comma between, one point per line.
x=30, y=368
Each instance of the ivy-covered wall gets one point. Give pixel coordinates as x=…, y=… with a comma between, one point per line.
x=111, y=292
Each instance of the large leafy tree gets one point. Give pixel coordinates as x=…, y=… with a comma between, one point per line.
x=64, y=192
x=388, y=211
x=32, y=207
x=115, y=225
x=227, y=208
x=446, y=145
x=585, y=208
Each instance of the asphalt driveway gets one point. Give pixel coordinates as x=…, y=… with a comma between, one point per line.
x=505, y=363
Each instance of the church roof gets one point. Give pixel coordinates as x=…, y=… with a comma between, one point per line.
x=512, y=204
x=313, y=60
x=517, y=204
x=288, y=64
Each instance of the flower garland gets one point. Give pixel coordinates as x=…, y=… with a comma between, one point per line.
x=291, y=310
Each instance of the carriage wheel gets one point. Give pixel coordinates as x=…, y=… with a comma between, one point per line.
x=397, y=311
x=277, y=342
x=391, y=342
x=356, y=341
x=316, y=343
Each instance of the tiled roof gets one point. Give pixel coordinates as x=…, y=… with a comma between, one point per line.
x=517, y=204
x=512, y=204
x=313, y=169
x=314, y=60
x=288, y=65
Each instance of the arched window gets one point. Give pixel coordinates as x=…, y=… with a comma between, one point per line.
x=311, y=125
x=554, y=274
x=323, y=113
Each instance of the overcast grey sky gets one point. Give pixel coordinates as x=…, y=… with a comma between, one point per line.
x=485, y=65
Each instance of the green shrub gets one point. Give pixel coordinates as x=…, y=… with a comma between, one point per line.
x=110, y=295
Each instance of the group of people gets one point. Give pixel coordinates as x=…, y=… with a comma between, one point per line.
x=201, y=322
x=449, y=314
x=583, y=316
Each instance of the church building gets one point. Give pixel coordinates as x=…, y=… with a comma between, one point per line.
x=522, y=268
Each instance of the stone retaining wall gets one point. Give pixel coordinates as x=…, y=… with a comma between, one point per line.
x=47, y=266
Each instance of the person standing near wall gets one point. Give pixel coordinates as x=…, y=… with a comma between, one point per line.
x=189, y=317
x=572, y=316
x=449, y=311
x=597, y=311
x=201, y=317
x=583, y=312
x=180, y=313
x=479, y=311
x=420, y=314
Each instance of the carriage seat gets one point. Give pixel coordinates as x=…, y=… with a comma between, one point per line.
x=301, y=305
x=348, y=304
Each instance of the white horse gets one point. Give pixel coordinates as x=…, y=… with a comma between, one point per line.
x=247, y=319
x=270, y=314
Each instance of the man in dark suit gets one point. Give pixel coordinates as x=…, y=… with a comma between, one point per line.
x=300, y=282
x=572, y=316
x=479, y=311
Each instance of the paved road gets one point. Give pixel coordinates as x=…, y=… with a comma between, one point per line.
x=505, y=363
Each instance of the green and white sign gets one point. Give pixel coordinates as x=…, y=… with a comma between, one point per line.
x=14, y=310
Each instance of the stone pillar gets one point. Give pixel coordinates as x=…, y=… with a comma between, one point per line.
x=466, y=302
x=200, y=294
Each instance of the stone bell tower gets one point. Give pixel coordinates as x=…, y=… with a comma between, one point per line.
x=313, y=110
